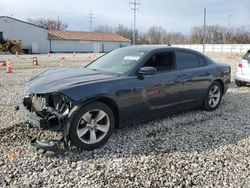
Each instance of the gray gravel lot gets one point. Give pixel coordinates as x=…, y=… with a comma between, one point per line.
x=191, y=149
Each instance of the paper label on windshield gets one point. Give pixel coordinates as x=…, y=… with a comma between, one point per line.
x=131, y=58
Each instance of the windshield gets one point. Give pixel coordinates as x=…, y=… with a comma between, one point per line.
x=119, y=61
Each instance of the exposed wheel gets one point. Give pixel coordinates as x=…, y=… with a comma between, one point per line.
x=15, y=49
x=92, y=126
x=213, y=96
x=240, y=83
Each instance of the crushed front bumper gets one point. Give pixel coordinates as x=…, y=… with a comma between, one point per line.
x=32, y=118
x=54, y=121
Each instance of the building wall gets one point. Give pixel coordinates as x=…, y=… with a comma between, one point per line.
x=31, y=36
x=83, y=46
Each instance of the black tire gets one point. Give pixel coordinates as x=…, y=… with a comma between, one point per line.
x=73, y=134
x=240, y=83
x=15, y=49
x=206, y=105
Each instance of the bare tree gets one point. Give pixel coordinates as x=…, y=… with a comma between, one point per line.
x=196, y=35
x=125, y=32
x=51, y=24
x=155, y=34
x=104, y=29
x=218, y=35
x=173, y=38
x=143, y=39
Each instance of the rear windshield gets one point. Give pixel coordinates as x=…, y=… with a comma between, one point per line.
x=247, y=56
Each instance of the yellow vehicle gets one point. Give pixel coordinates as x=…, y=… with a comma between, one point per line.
x=13, y=46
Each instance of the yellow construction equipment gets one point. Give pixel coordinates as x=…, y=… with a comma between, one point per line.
x=14, y=46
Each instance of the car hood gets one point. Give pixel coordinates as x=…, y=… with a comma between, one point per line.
x=57, y=79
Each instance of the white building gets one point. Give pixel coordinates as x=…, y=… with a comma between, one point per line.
x=70, y=41
x=32, y=36
x=41, y=40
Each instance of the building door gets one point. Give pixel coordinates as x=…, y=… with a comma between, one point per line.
x=96, y=47
x=102, y=48
x=1, y=37
x=34, y=47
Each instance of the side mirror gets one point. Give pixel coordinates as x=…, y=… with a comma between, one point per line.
x=147, y=71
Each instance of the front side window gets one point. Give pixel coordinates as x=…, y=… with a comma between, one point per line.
x=202, y=61
x=187, y=60
x=162, y=62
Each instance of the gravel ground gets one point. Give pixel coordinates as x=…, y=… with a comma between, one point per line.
x=191, y=149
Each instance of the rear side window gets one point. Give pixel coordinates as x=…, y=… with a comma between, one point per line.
x=202, y=61
x=187, y=60
x=247, y=56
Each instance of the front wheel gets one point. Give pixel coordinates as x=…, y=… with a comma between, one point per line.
x=92, y=126
x=213, y=96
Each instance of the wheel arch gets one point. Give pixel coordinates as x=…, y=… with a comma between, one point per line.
x=104, y=99
x=221, y=83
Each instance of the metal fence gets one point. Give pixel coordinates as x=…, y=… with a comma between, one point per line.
x=229, y=48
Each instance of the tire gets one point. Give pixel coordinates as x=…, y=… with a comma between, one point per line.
x=213, y=96
x=15, y=49
x=240, y=83
x=92, y=126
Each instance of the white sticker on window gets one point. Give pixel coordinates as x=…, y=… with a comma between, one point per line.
x=131, y=58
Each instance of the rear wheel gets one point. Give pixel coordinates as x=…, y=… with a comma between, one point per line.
x=92, y=126
x=240, y=83
x=213, y=96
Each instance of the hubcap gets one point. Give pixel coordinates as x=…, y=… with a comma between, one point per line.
x=214, y=96
x=93, y=126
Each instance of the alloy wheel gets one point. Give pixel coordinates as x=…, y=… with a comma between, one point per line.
x=93, y=126
x=214, y=96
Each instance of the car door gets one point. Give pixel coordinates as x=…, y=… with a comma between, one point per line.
x=160, y=92
x=194, y=75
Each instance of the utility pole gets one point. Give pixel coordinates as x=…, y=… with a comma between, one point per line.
x=135, y=5
x=91, y=20
x=204, y=29
x=228, y=28
x=58, y=23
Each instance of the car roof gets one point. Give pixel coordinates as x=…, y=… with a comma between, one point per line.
x=149, y=48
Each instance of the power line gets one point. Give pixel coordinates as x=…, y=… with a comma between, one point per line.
x=90, y=20
x=135, y=5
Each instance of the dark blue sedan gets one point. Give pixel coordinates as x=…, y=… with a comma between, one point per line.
x=125, y=86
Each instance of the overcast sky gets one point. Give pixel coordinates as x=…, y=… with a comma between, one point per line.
x=173, y=15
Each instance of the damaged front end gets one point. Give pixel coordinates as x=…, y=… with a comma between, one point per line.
x=47, y=112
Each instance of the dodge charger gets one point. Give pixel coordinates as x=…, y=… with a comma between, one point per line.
x=127, y=85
